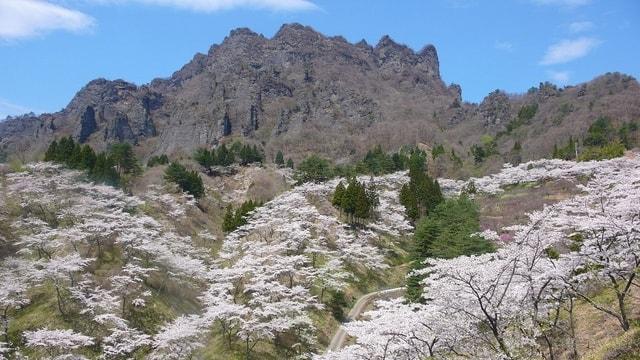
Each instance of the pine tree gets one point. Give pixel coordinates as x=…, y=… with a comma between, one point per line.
x=204, y=157
x=338, y=195
x=362, y=205
x=224, y=156
x=87, y=157
x=229, y=220
x=188, y=181
x=50, y=155
x=279, y=160
x=124, y=159
x=423, y=193
x=290, y=163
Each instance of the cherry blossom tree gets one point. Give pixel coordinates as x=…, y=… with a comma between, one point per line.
x=55, y=342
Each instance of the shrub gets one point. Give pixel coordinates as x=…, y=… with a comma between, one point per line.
x=313, y=169
x=609, y=151
x=158, y=160
x=188, y=181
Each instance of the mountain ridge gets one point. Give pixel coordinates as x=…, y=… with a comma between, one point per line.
x=298, y=91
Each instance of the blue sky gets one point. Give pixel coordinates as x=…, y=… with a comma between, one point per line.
x=50, y=48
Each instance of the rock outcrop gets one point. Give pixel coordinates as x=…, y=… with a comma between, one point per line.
x=299, y=91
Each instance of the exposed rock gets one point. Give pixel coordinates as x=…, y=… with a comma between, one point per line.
x=496, y=109
x=87, y=124
x=299, y=91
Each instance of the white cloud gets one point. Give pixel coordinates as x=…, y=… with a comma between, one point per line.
x=503, y=45
x=8, y=108
x=568, y=50
x=580, y=26
x=559, y=77
x=218, y=5
x=27, y=18
x=563, y=3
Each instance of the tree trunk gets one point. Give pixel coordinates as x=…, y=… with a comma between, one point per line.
x=59, y=298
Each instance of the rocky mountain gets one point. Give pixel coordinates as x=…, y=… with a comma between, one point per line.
x=302, y=92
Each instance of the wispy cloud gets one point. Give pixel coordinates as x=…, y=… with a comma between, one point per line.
x=8, y=108
x=569, y=50
x=563, y=3
x=559, y=77
x=503, y=45
x=580, y=26
x=218, y=5
x=21, y=19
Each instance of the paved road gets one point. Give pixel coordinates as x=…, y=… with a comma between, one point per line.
x=341, y=335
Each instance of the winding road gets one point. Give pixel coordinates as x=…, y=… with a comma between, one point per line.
x=341, y=335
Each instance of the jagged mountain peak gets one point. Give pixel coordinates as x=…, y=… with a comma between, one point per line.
x=299, y=91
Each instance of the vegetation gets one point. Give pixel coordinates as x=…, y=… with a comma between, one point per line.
x=234, y=219
x=115, y=167
x=279, y=159
x=313, y=169
x=602, y=141
x=488, y=147
x=422, y=194
x=448, y=232
x=158, y=160
x=188, y=181
x=526, y=113
x=377, y=162
x=356, y=200
x=243, y=154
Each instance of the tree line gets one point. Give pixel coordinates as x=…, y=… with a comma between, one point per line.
x=114, y=167
x=375, y=162
x=242, y=154
x=602, y=141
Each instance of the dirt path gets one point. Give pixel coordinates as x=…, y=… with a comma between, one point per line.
x=341, y=335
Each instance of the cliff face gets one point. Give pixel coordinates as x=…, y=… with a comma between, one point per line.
x=299, y=92
x=277, y=91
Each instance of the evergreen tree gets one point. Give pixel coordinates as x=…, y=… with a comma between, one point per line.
x=205, y=157
x=87, y=157
x=224, y=156
x=158, y=160
x=337, y=195
x=75, y=159
x=104, y=170
x=446, y=233
x=422, y=193
x=229, y=220
x=313, y=169
x=50, y=154
x=279, y=160
x=124, y=159
x=188, y=181
x=290, y=163
x=356, y=200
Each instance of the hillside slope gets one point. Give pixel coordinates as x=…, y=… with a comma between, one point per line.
x=128, y=278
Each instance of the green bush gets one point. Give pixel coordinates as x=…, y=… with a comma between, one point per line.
x=234, y=219
x=188, y=181
x=608, y=151
x=158, y=160
x=313, y=169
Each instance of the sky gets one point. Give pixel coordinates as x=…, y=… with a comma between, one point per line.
x=49, y=49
